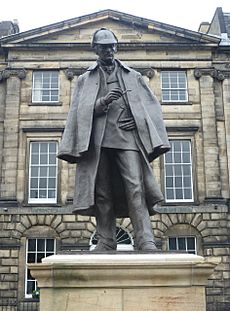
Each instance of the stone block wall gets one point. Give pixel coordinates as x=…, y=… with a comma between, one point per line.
x=73, y=233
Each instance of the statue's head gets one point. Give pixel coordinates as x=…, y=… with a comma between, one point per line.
x=104, y=43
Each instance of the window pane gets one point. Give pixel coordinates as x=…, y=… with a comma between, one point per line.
x=29, y=276
x=31, y=257
x=165, y=95
x=187, y=182
x=43, y=147
x=52, y=147
x=43, y=158
x=31, y=244
x=33, y=194
x=178, y=182
x=172, y=244
x=34, y=171
x=43, y=171
x=187, y=194
x=170, y=194
x=186, y=157
x=179, y=194
x=34, y=183
x=52, y=183
x=30, y=287
x=41, y=244
x=186, y=170
x=35, y=147
x=52, y=171
x=181, y=244
x=42, y=194
x=37, y=96
x=51, y=194
x=178, y=170
x=191, y=243
x=52, y=159
x=34, y=159
x=169, y=182
x=168, y=157
x=177, y=157
x=50, y=245
x=40, y=256
x=43, y=183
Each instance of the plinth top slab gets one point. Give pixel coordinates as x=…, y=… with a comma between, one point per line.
x=129, y=270
x=124, y=259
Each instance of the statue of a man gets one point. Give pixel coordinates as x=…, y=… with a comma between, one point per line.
x=113, y=130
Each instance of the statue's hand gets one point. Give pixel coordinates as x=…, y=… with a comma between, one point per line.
x=127, y=124
x=114, y=94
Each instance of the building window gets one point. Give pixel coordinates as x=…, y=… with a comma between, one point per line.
x=43, y=172
x=45, y=87
x=36, y=249
x=174, y=86
x=183, y=243
x=178, y=172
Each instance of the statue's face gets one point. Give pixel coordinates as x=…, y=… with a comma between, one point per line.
x=106, y=52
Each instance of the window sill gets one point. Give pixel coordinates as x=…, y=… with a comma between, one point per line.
x=30, y=299
x=41, y=205
x=46, y=104
x=176, y=103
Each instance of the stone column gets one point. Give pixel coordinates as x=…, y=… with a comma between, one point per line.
x=10, y=135
x=210, y=142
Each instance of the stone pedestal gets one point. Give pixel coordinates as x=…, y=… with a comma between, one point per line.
x=122, y=282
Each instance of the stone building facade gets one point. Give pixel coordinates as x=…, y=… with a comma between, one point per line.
x=190, y=74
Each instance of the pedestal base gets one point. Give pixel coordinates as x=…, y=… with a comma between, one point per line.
x=122, y=282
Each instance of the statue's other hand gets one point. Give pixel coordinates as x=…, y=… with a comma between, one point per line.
x=127, y=125
x=114, y=94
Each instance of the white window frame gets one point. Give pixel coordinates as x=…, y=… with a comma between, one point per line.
x=38, y=200
x=174, y=88
x=194, y=251
x=36, y=252
x=42, y=88
x=121, y=235
x=181, y=164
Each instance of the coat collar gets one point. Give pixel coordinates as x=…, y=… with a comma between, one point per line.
x=95, y=65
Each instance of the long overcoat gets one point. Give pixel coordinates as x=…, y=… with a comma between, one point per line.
x=76, y=145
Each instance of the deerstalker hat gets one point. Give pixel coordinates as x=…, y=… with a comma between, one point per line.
x=104, y=36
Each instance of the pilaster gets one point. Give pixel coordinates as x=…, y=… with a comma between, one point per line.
x=10, y=134
x=210, y=141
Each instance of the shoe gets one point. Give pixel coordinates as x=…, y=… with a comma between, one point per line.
x=102, y=247
x=148, y=247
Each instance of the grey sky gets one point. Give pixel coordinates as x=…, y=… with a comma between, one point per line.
x=182, y=13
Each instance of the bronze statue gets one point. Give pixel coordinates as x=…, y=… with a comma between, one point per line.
x=113, y=130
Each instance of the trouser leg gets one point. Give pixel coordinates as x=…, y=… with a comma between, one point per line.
x=131, y=171
x=105, y=217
